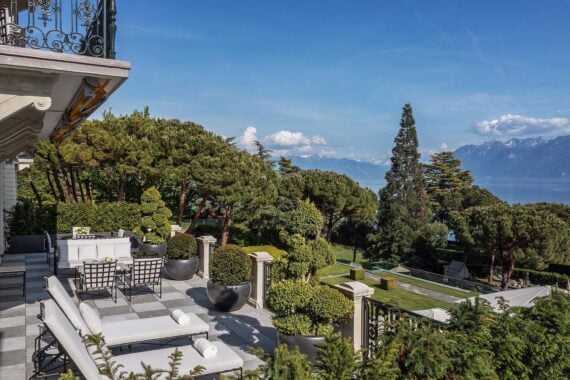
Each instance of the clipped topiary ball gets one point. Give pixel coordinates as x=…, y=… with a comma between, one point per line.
x=230, y=266
x=328, y=305
x=181, y=247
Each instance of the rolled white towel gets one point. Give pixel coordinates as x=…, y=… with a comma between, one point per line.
x=205, y=348
x=180, y=317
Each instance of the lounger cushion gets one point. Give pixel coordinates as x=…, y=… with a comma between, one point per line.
x=70, y=340
x=65, y=302
x=122, y=332
x=225, y=360
x=87, y=252
x=91, y=317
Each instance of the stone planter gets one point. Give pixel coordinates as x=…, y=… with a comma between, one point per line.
x=159, y=249
x=307, y=344
x=181, y=269
x=228, y=298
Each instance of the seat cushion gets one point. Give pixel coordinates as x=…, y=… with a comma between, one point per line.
x=91, y=318
x=105, y=250
x=87, y=252
x=123, y=250
x=138, y=330
x=225, y=360
x=65, y=302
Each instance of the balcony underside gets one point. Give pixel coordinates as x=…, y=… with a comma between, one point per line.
x=47, y=95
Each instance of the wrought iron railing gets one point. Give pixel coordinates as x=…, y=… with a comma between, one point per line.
x=380, y=318
x=266, y=279
x=83, y=27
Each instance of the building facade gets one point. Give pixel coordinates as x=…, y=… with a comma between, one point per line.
x=57, y=66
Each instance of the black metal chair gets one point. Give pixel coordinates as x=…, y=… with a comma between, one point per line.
x=49, y=247
x=143, y=272
x=98, y=276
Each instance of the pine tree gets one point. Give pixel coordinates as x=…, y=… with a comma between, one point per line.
x=445, y=181
x=403, y=210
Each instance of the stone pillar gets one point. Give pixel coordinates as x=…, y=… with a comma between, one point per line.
x=355, y=291
x=257, y=296
x=205, y=246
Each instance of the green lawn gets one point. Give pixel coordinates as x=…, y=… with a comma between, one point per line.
x=399, y=297
x=344, y=255
x=333, y=270
x=436, y=288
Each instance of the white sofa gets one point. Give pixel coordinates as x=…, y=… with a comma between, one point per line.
x=73, y=252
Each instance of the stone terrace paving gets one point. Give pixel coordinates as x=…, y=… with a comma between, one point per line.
x=248, y=327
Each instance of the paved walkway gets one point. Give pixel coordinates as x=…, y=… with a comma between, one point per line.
x=19, y=325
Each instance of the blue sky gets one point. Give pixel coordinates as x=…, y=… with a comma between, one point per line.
x=330, y=77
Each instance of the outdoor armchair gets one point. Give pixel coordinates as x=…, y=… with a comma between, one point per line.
x=143, y=272
x=95, y=276
x=50, y=250
x=70, y=342
x=118, y=333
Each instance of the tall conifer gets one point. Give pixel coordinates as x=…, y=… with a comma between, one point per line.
x=403, y=210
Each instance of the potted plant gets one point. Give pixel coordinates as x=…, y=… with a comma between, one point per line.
x=230, y=278
x=154, y=227
x=304, y=313
x=181, y=257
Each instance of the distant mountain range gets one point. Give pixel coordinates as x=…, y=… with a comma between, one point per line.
x=364, y=172
x=532, y=158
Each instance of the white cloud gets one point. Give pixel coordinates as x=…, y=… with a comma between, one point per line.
x=248, y=138
x=288, y=138
x=520, y=126
x=443, y=147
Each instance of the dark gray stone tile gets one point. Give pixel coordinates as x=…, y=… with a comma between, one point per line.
x=106, y=311
x=153, y=313
x=12, y=357
x=143, y=298
x=177, y=303
x=10, y=332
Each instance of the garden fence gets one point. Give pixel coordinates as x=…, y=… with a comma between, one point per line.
x=452, y=281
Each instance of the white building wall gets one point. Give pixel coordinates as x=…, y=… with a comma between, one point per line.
x=10, y=185
x=2, y=237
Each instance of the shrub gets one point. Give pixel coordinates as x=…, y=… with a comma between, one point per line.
x=273, y=251
x=296, y=302
x=388, y=283
x=540, y=278
x=294, y=324
x=560, y=268
x=154, y=226
x=27, y=218
x=328, y=305
x=100, y=217
x=305, y=220
x=181, y=247
x=336, y=359
x=230, y=266
x=288, y=296
x=356, y=274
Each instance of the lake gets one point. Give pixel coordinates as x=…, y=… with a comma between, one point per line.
x=517, y=190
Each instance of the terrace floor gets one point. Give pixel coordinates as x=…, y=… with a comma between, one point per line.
x=19, y=325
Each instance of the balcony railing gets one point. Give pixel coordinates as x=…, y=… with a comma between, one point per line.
x=83, y=27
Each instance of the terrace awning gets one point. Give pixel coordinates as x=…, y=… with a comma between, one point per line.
x=515, y=298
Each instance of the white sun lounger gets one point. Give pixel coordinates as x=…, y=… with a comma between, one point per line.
x=119, y=333
x=71, y=343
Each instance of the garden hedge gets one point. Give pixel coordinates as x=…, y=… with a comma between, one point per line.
x=100, y=217
x=540, y=278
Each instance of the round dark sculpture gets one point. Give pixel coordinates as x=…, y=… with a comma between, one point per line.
x=159, y=249
x=307, y=344
x=181, y=269
x=228, y=298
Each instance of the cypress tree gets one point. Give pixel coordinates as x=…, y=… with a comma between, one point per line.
x=403, y=210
